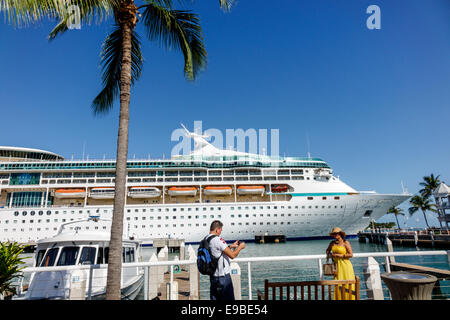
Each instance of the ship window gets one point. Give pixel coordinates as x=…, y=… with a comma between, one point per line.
x=336, y=198
x=68, y=256
x=16, y=213
x=39, y=257
x=310, y=198
x=50, y=257
x=368, y=213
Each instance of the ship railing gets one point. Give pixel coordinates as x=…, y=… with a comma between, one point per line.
x=410, y=231
x=256, y=269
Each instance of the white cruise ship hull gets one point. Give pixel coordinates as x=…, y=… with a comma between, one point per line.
x=299, y=218
x=316, y=201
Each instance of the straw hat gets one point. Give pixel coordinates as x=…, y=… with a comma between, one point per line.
x=337, y=230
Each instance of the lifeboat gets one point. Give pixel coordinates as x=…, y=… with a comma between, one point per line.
x=280, y=188
x=243, y=190
x=217, y=190
x=182, y=191
x=70, y=193
x=144, y=192
x=102, y=193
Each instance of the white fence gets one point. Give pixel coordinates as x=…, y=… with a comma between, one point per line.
x=371, y=282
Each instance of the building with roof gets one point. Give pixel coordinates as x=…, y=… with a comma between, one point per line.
x=442, y=198
x=24, y=154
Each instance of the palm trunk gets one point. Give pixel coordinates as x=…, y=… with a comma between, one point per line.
x=398, y=224
x=115, y=246
x=426, y=221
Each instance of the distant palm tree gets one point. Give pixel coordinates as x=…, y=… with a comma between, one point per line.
x=121, y=62
x=429, y=184
x=397, y=212
x=420, y=203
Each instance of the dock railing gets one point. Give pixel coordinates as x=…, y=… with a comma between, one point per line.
x=369, y=278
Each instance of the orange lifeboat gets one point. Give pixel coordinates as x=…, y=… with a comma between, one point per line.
x=182, y=191
x=70, y=193
x=243, y=190
x=280, y=188
x=217, y=190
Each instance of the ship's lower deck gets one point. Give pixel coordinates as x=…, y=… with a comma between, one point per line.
x=301, y=217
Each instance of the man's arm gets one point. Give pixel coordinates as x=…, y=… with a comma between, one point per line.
x=233, y=254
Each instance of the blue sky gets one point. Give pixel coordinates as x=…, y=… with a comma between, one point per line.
x=375, y=104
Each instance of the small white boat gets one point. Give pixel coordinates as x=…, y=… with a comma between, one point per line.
x=182, y=191
x=244, y=190
x=217, y=190
x=144, y=192
x=102, y=193
x=70, y=193
x=74, y=246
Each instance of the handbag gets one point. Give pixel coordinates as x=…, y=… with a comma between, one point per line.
x=329, y=269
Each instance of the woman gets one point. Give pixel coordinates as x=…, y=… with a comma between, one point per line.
x=341, y=251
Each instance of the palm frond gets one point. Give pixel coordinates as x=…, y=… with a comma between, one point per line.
x=226, y=5
x=111, y=62
x=97, y=9
x=25, y=12
x=179, y=30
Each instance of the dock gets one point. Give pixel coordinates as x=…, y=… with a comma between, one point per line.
x=173, y=245
x=420, y=238
x=182, y=280
x=275, y=238
x=441, y=274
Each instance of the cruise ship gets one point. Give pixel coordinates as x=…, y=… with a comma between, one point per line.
x=251, y=194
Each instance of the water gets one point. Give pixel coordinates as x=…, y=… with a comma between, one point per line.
x=308, y=269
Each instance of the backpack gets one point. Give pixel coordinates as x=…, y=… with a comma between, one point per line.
x=206, y=262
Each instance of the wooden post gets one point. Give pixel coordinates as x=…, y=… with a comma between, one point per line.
x=236, y=279
x=194, y=284
x=182, y=250
x=373, y=279
x=161, y=269
x=390, y=249
x=153, y=280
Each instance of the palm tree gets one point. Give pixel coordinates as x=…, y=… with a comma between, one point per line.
x=122, y=61
x=420, y=203
x=396, y=211
x=10, y=265
x=429, y=184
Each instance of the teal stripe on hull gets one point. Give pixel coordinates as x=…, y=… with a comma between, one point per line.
x=311, y=194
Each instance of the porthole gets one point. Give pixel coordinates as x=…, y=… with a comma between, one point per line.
x=24, y=213
x=40, y=213
x=16, y=213
x=32, y=213
x=49, y=212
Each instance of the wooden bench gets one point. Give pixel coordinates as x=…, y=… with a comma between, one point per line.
x=309, y=290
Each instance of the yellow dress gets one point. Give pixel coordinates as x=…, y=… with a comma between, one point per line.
x=344, y=271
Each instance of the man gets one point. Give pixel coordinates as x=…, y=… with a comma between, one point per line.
x=221, y=285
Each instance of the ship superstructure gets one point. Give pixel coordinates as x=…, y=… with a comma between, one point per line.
x=180, y=197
